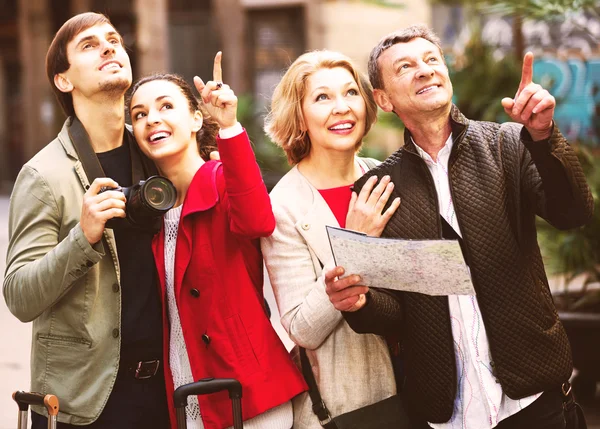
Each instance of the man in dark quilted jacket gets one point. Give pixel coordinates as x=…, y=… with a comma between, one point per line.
x=497, y=359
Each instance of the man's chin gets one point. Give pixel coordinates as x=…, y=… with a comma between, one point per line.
x=437, y=105
x=119, y=85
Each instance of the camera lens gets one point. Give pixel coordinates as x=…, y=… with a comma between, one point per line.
x=155, y=196
x=159, y=193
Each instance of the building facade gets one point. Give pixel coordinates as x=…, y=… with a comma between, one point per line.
x=259, y=39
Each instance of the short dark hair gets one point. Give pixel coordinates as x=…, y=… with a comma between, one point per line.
x=57, y=60
x=206, y=136
x=400, y=36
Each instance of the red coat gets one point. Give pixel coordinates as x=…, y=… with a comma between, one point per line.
x=218, y=288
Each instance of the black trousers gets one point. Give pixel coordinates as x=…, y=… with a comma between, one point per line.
x=132, y=404
x=546, y=412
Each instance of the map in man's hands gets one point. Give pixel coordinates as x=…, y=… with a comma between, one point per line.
x=432, y=267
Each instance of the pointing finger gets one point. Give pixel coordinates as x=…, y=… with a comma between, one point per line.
x=217, y=71
x=527, y=72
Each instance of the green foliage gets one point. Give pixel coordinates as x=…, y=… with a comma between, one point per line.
x=389, y=120
x=272, y=161
x=270, y=157
x=246, y=114
x=371, y=151
x=480, y=81
x=544, y=9
x=575, y=252
x=532, y=9
x=376, y=142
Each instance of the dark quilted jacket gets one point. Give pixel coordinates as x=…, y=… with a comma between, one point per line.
x=499, y=180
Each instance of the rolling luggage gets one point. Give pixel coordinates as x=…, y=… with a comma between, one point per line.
x=204, y=387
x=25, y=399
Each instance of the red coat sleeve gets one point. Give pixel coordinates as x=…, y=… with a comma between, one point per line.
x=246, y=196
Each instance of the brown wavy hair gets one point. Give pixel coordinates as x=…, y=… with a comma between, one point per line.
x=206, y=136
x=284, y=122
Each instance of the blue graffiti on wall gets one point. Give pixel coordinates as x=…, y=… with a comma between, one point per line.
x=576, y=86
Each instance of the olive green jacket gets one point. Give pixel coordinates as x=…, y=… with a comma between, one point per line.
x=68, y=288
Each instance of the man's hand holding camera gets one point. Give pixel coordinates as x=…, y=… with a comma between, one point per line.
x=533, y=106
x=98, y=207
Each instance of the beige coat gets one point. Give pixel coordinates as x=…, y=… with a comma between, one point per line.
x=352, y=370
x=69, y=289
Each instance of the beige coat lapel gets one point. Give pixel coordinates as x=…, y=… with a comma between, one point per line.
x=311, y=225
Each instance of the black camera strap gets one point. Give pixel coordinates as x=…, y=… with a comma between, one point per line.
x=141, y=167
x=83, y=147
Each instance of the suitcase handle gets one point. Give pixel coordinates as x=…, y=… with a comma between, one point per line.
x=24, y=399
x=204, y=387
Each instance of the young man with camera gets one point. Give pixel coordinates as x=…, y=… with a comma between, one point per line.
x=89, y=290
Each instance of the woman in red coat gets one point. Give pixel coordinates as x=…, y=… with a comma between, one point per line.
x=208, y=255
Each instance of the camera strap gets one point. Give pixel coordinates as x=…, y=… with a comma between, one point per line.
x=141, y=167
x=83, y=147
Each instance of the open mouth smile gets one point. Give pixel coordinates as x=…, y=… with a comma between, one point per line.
x=158, y=136
x=111, y=65
x=342, y=126
x=427, y=89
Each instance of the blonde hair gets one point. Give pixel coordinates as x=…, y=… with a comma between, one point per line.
x=285, y=121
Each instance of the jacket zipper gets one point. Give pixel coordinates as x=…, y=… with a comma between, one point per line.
x=432, y=185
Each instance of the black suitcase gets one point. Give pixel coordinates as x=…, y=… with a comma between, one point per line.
x=25, y=399
x=204, y=387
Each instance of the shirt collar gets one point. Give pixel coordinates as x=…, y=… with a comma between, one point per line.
x=443, y=154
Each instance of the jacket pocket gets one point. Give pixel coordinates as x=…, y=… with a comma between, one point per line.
x=64, y=339
x=69, y=372
x=242, y=346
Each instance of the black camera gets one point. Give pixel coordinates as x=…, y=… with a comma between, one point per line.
x=147, y=201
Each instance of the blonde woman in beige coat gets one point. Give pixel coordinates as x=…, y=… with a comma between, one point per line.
x=321, y=110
